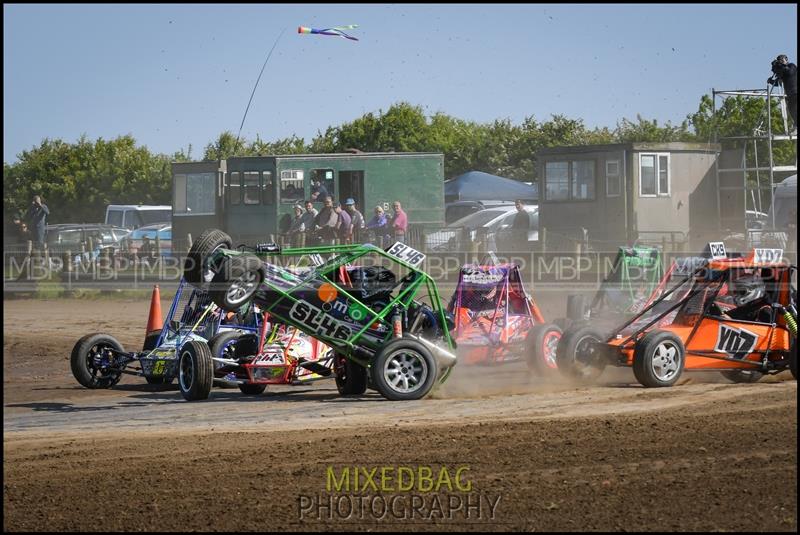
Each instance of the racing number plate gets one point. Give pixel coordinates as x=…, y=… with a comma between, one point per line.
x=405, y=253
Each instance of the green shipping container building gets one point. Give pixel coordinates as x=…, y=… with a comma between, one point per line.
x=252, y=197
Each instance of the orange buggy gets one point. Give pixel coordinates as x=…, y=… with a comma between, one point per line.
x=496, y=321
x=734, y=315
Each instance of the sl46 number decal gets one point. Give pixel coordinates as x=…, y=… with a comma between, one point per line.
x=407, y=254
x=318, y=321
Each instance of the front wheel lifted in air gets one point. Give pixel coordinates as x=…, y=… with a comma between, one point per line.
x=236, y=281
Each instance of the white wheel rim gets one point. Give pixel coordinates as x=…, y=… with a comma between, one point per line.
x=666, y=361
x=242, y=288
x=405, y=371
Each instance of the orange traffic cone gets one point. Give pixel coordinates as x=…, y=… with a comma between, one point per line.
x=154, y=322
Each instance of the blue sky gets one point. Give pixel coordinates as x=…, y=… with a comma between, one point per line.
x=174, y=75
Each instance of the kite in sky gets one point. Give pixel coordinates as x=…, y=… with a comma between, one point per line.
x=338, y=30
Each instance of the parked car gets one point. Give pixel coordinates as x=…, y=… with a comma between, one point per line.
x=162, y=230
x=457, y=209
x=133, y=216
x=74, y=238
x=496, y=223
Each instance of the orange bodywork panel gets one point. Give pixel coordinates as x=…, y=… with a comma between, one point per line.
x=722, y=338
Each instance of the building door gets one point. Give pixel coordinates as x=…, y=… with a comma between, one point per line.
x=351, y=185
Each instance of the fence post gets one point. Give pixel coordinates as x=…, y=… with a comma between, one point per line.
x=29, y=255
x=158, y=254
x=46, y=257
x=68, y=268
x=544, y=239
x=91, y=259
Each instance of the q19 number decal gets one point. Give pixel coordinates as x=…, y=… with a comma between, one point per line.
x=405, y=253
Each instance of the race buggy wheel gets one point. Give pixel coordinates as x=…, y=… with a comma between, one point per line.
x=351, y=377
x=403, y=370
x=793, y=359
x=542, y=345
x=252, y=389
x=742, y=376
x=236, y=281
x=150, y=342
x=195, y=371
x=658, y=359
x=223, y=346
x=93, y=361
x=195, y=270
x=577, y=357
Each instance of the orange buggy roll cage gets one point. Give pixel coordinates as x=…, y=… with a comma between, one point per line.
x=710, y=281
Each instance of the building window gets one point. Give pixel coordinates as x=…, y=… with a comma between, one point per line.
x=653, y=175
x=235, y=194
x=252, y=187
x=321, y=184
x=556, y=181
x=178, y=200
x=569, y=180
x=583, y=180
x=194, y=194
x=292, y=188
x=613, y=179
x=267, y=188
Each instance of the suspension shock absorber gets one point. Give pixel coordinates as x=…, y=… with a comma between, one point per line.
x=397, y=323
x=790, y=316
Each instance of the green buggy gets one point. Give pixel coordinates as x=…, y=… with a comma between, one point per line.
x=375, y=308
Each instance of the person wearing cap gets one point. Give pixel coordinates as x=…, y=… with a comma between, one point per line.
x=356, y=217
x=786, y=74
x=298, y=227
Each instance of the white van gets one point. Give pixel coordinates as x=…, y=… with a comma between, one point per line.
x=133, y=216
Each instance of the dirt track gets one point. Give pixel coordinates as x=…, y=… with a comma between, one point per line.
x=703, y=455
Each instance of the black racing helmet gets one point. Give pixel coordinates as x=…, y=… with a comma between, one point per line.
x=747, y=289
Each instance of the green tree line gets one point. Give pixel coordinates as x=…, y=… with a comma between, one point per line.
x=77, y=180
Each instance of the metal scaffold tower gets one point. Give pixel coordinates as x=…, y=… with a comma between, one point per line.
x=746, y=179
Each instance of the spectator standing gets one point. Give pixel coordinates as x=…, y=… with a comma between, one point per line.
x=308, y=221
x=345, y=225
x=326, y=222
x=356, y=216
x=319, y=191
x=520, y=226
x=36, y=217
x=297, y=228
x=146, y=252
x=378, y=225
x=399, y=222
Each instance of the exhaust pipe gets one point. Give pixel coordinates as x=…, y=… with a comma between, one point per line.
x=444, y=359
